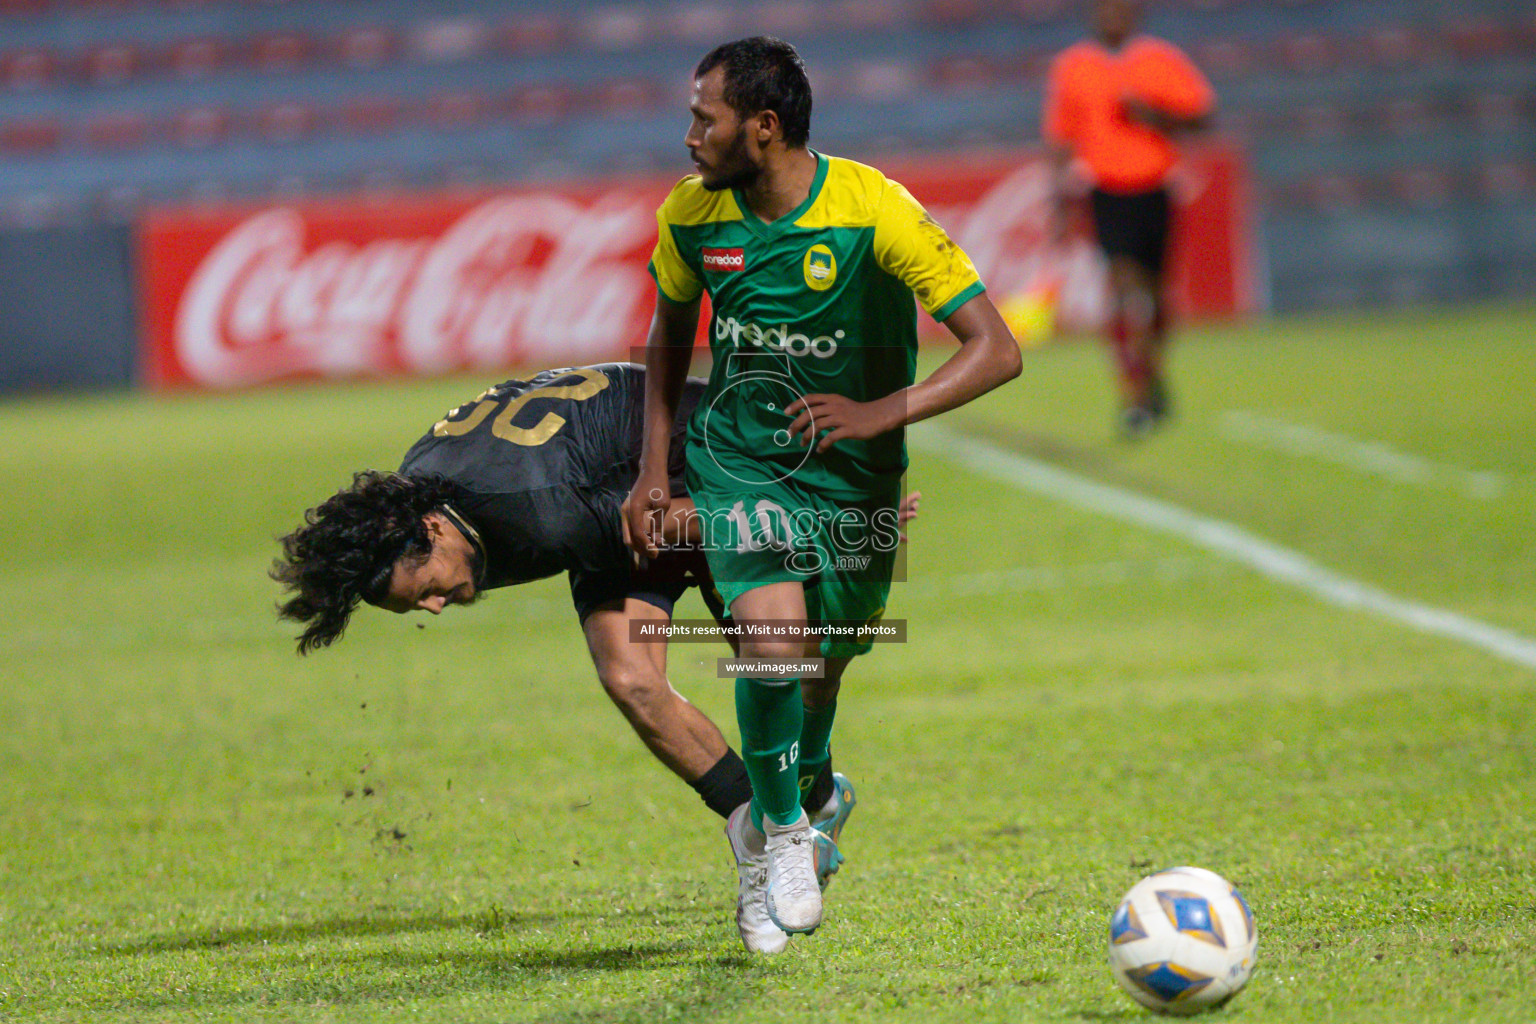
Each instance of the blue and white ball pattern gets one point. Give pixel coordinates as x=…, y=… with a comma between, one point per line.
x=1182, y=941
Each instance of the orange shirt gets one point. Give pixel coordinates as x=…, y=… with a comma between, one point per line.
x=1084, y=110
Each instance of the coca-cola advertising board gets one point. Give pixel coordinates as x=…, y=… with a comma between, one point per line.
x=556, y=275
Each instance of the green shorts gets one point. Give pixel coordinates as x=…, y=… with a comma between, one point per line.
x=842, y=549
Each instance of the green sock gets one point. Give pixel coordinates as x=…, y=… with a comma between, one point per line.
x=815, y=743
x=770, y=717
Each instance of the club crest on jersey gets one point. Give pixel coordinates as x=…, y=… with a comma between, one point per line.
x=820, y=268
x=723, y=261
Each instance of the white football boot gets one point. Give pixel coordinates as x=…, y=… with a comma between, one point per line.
x=793, y=897
x=749, y=846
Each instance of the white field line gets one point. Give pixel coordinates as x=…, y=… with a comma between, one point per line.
x=1372, y=457
x=1229, y=541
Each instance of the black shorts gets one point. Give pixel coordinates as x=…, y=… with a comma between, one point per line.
x=1135, y=225
x=661, y=583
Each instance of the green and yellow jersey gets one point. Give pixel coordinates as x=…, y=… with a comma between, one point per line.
x=820, y=300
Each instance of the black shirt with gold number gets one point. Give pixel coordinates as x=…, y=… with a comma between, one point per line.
x=541, y=466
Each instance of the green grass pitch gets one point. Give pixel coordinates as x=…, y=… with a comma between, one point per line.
x=444, y=820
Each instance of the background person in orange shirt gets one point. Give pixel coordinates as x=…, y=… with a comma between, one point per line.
x=1114, y=106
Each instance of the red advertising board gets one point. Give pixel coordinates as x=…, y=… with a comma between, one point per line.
x=556, y=275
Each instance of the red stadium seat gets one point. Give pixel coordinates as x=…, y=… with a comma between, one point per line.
x=882, y=81
x=1398, y=46
x=1041, y=11
x=370, y=115
x=280, y=52
x=454, y=111
x=200, y=127
x=1307, y=54
x=193, y=59
x=1505, y=181
x=111, y=63
x=531, y=34
x=26, y=70
x=540, y=103
x=448, y=40
x=1497, y=111
x=1226, y=59
x=627, y=96
x=703, y=24
x=116, y=132
x=790, y=20
x=1406, y=115
x=1317, y=121
x=953, y=13
x=367, y=46
x=286, y=123
x=869, y=15
x=34, y=136
x=962, y=74
x=1331, y=193
x=615, y=28
x=1480, y=39
x=1422, y=187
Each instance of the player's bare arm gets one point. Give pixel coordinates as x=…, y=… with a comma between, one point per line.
x=988, y=357
x=668, y=349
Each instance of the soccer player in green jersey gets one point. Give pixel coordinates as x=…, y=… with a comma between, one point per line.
x=796, y=450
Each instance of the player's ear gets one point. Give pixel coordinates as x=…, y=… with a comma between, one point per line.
x=434, y=522
x=766, y=126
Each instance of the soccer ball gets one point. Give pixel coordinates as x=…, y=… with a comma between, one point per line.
x=1182, y=941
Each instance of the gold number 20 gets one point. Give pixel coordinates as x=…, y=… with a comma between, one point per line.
x=592, y=381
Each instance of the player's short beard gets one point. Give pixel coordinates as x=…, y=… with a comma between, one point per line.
x=736, y=169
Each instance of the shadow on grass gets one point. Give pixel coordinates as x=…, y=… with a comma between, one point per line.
x=306, y=931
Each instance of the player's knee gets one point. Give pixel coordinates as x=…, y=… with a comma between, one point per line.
x=764, y=648
x=633, y=687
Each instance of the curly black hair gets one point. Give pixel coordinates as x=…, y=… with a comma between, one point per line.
x=348, y=546
x=764, y=73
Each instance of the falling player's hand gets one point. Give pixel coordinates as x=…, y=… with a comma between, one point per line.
x=835, y=417
x=643, y=514
x=908, y=511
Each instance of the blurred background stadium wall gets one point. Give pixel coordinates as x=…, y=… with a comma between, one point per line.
x=1391, y=143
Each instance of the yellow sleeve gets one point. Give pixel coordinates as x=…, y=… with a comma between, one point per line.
x=910, y=246
x=674, y=278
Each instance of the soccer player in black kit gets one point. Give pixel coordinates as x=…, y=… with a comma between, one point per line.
x=521, y=483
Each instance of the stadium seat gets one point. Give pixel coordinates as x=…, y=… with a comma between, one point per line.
x=457, y=111
x=1321, y=121
x=540, y=103
x=610, y=29
x=1405, y=116
x=116, y=131
x=702, y=24
x=793, y=19
x=1505, y=181
x=626, y=96
x=882, y=81
x=280, y=52
x=1330, y=193
x=196, y=59
x=1479, y=39
x=368, y=46
x=1397, y=46
x=34, y=136
x=1422, y=187
x=111, y=64
x=370, y=115
x=530, y=34
x=200, y=127
x=1306, y=54
x=1225, y=60
x=286, y=123
x=1497, y=112
x=448, y=40
x=28, y=70
x=963, y=73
